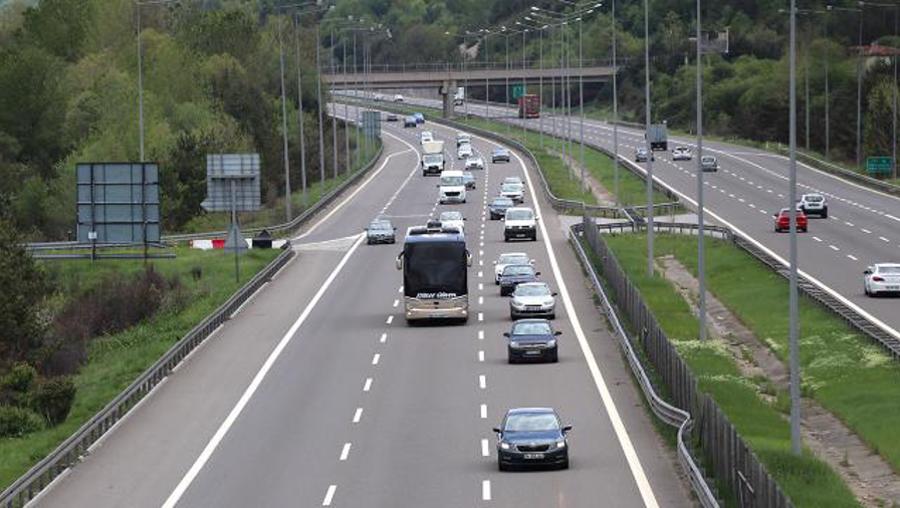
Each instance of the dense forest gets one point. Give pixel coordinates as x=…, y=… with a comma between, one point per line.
x=746, y=90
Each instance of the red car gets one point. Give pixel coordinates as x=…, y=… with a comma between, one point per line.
x=783, y=221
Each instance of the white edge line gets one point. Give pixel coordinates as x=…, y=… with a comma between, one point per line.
x=223, y=429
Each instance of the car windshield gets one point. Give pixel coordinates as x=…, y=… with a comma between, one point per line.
x=518, y=270
x=511, y=187
x=532, y=290
x=642, y=150
x=531, y=423
x=708, y=160
x=512, y=179
x=519, y=215
x=502, y=202
x=451, y=216
x=889, y=269
x=814, y=199
x=432, y=157
x=531, y=328
x=380, y=226
x=500, y=151
x=450, y=181
x=513, y=259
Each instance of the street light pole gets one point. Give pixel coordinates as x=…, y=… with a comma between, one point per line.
x=508, y=126
x=541, y=84
x=346, y=106
x=792, y=211
x=615, y=93
x=859, y=60
x=334, y=143
x=284, y=131
x=827, y=90
x=701, y=253
x=140, y=83
x=894, y=103
x=300, y=113
x=524, y=116
x=319, y=94
x=581, y=98
x=646, y=135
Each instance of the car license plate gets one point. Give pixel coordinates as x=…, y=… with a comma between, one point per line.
x=893, y=288
x=534, y=456
x=533, y=352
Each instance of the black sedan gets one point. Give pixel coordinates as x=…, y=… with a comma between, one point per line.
x=532, y=436
x=532, y=339
x=498, y=207
x=513, y=275
x=500, y=154
x=380, y=231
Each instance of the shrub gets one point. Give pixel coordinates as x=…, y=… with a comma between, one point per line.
x=18, y=421
x=19, y=378
x=53, y=399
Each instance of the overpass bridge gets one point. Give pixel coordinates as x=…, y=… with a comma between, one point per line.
x=447, y=76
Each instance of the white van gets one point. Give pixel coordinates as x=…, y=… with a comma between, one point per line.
x=452, y=187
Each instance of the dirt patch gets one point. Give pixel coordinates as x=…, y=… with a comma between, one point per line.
x=866, y=473
x=604, y=197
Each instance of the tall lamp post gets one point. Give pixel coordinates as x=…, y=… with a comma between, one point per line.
x=647, y=121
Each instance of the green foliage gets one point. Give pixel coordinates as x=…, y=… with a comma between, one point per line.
x=24, y=288
x=60, y=26
x=18, y=379
x=17, y=421
x=53, y=399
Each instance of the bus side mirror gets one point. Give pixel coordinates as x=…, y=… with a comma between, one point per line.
x=468, y=258
x=399, y=262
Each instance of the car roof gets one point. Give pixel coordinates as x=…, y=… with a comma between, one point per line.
x=451, y=172
x=533, y=284
x=530, y=410
x=520, y=208
x=500, y=149
x=380, y=221
x=513, y=254
x=886, y=265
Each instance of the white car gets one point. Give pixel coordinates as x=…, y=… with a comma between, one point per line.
x=814, y=204
x=379, y=97
x=426, y=136
x=453, y=219
x=507, y=259
x=882, y=278
x=398, y=98
x=452, y=187
x=463, y=137
x=681, y=153
x=474, y=162
x=513, y=179
x=513, y=191
x=520, y=223
x=532, y=299
x=464, y=151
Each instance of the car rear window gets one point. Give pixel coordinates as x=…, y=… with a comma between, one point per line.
x=889, y=269
x=531, y=328
x=518, y=270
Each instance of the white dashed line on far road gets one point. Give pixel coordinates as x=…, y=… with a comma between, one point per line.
x=329, y=495
x=368, y=385
x=357, y=415
x=345, y=452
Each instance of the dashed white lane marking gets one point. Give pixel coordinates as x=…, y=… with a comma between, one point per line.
x=851, y=256
x=481, y=316
x=480, y=274
x=480, y=262
x=485, y=450
x=396, y=303
x=357, y=416
x=834, y=248
x=480, y=355
x=866, y=231
x=368, y=385
x=482, y=381
x=483, y=412
x=383, y=338
x=376, y=358
x=480, y=286
x=486, y=490
x=345, y=452
x=480, y=300
x=752, y=205
x=329, y=495
x=480, y=334
x=390, y=319
x=848, y=223
x=883, y=239
x=400, y=290
x=816, y=238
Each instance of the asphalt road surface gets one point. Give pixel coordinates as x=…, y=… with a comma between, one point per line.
x=317, y=393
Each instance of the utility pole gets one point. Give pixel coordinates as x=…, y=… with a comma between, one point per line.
x=284, y=131
x=615, y=93
x=508, y=124
x=701, y=235
x=894, y=103
x=524, y=116
x=859, y=74
x=319, y=94
x=792, y=208
x=346, y=107
x=334, y=143
x=581, y=98
x=140, y=55
x=541, y=85
x=647, y=137
x=300, y=113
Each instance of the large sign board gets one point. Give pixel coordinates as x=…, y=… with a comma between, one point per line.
x=236, y=173
x=516, y=91
x=371, y=121
x=117, y=202
x=879, y=166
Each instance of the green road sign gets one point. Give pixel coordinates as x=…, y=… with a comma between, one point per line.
x=517, y=91
x=878, y=165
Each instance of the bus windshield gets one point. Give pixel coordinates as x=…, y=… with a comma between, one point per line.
x=434, y=269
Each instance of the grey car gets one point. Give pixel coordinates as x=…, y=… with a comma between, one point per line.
x=469, y=180
x=709, y=163
x=500, y=154
x=380, y=231
x=532, y=299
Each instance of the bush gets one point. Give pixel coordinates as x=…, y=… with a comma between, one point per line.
x=53, y=399
x=18, y=379
x=18, y=421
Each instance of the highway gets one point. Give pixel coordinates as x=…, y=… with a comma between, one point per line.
x=863, y=226
x=317, y=393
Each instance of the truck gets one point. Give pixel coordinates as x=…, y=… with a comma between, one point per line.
x=460, y=96
x=658, y=137
x=529, y=106
x=432, y=157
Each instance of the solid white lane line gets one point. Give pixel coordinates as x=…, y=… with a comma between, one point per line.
x=368, y=385
x=390, y=319
x=634, y=462
x=357, y=416
x=223, y=429
x=486, y=490
x=480, y=355
x=480, y=334
x=485, y=450
x=483, y=412
x=329, y=496
x=482, y=381
x=345, y=452
x=383, y=338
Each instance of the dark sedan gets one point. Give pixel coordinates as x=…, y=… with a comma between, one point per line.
x=500, y=154
x=532, y=436
x=498, y=207
x=380, y=231
x=532, y=340
x=420, y=118
x=513, y=275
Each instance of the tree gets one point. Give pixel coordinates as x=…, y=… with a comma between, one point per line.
x=60, y=26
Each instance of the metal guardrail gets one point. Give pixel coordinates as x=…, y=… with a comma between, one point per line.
x=468, y=66
x=666, y=412
x=724, y=451
x=830, y=167
x=73, y=449
x=879, y=336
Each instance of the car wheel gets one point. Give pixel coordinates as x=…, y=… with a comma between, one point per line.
x=824, y=213
x=803, y=230
x=554, y=357
x=501, y=466
x=564, y=464
x=552, y=316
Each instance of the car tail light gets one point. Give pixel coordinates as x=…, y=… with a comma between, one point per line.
x=878, y=279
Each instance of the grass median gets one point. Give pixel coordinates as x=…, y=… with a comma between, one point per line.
x=841, y=369
x=114, y=361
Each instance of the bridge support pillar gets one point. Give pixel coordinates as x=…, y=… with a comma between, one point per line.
x=448, y=91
